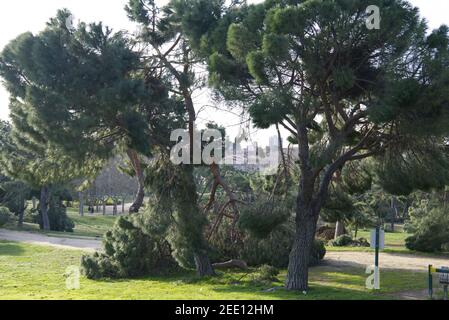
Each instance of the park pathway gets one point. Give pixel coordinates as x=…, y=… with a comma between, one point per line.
x=393, y=261
x=87, y=244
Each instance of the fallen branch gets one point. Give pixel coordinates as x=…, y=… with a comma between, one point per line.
x=238, y=264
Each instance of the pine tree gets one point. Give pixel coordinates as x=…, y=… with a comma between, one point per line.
x=343, y=91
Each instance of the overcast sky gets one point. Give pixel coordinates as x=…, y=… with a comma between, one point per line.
x=18, y=16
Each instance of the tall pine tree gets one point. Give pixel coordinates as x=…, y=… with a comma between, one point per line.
x=345, y=92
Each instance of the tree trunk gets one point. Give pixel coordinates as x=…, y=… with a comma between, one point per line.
x=114, y=210
x=81, y=200
x=339, y=229
x=43, y=203
x=21, y=217
x=298, y=268
x=393, y=213
x=140, y=196
x=34, y=203
x=123, y=205
x=203, y=265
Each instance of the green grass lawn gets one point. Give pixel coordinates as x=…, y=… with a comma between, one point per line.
x=88, y=226
x=394, y=242
x=37, y=272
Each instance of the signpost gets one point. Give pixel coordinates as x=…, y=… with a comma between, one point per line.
x=377, y=243
x=444, y=280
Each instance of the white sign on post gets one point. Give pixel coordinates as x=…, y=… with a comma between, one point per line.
x=381, y=239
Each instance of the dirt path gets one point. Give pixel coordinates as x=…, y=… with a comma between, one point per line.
x=40, y=239
x=387, y=260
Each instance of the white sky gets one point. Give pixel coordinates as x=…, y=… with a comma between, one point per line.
x=19, y=16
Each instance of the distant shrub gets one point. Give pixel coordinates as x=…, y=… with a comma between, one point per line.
x=347, y=241
x=342, y=241
x=431, y=231
x=5, y=216
x=445, y=247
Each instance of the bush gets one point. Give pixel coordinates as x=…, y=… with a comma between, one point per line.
x=347, y=241
x=129, y=252
x=342, y=241
x=431, y=231
x=5, y=216
x=266, y=274
x=273, y=250
x=318, y=252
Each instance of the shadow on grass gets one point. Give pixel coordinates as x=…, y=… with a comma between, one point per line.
x=10, y=249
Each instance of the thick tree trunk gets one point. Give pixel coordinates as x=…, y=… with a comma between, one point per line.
x=137, y=166
x=81, y=200
x=43, y=204
x=339, y=229
x=203, y=265
x=21, y=217
x=298, y=268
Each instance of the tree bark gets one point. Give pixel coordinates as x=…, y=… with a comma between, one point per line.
x=43, y=204
x=339, y=229
x=137, y=166
x=81, y=200
x=298, y=268
x=203, y=265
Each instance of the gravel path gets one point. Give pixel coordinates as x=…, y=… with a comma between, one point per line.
x=86, y=244
x=394, y=261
